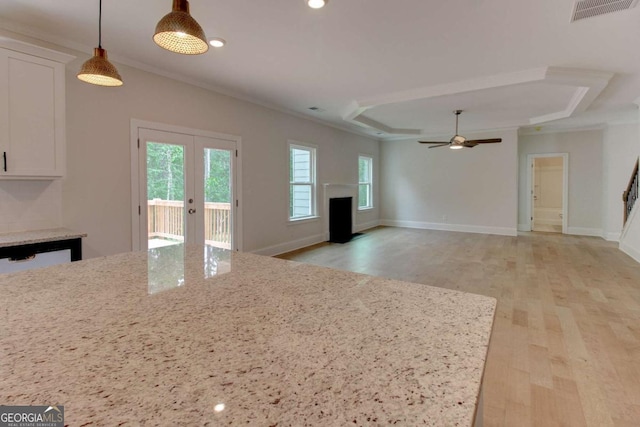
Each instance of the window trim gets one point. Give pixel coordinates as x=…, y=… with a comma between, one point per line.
x=313, y=150
x=369, y=159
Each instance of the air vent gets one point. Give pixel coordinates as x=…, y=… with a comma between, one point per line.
x=590, y=8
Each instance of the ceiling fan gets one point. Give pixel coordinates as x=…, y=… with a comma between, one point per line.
x=459, y=141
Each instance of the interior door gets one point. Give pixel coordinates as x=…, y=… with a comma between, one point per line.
x=534, y=196
x=547, y=194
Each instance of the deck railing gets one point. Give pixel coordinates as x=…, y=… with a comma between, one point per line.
x=217, y=224
x=630, y=195
x=165, y=219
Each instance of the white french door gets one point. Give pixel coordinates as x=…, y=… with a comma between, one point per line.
x=186, y=189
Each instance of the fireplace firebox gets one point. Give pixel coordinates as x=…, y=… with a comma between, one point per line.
x=340, y=219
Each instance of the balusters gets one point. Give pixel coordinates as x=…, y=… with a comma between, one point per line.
x=631, y=194
x=165, y=218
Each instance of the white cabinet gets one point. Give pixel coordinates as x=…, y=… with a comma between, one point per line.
x=32, y=112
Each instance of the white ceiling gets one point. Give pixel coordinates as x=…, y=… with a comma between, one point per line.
x=380, y=67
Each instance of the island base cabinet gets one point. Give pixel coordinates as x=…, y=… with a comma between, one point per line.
x=38, y=260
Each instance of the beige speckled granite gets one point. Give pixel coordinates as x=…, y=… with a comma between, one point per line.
x=37, y=236
x=162, y=339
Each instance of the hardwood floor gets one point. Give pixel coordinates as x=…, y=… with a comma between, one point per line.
x=565, y=348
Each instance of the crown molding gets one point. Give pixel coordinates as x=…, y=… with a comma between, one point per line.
x=24, y=34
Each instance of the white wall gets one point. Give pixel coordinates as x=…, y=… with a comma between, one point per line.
x=630, y=239
x=30, y=205
x=585, y=176
x=472, y=190
x=96, y=190
x=619, y=155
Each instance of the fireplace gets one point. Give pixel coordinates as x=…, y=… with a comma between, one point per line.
x=340, y=226
x=338, y=190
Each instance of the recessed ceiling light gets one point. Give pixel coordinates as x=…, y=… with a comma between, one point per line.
x=217, y=42
x=316, y=4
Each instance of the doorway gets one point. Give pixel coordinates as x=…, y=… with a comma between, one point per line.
x=547, y=184
x=186, y=188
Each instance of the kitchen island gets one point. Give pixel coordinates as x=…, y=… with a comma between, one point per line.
x=193, y=335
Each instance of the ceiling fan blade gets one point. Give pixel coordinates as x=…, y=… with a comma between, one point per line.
x=483, y=141
x=443, y=144
x=433, y=142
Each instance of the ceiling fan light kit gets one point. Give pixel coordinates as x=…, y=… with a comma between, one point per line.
x=98, y=70
x=459, y=141
x=178, y=32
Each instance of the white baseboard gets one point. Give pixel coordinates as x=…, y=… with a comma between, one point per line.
x=358, y=228
x=582, y=231
x=549, y=222
x=632, y=252
x=611, y=236
x=289, y=246
x=524, y=227
x=366, y=226
x=282, y=248
x=502, y=231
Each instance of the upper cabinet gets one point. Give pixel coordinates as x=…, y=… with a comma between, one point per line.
x=32, y=111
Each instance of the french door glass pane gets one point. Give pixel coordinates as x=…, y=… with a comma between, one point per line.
x=165, y=194
x=217, y=198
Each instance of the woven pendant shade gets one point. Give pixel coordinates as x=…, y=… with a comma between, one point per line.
x=178, y=32
x=99, y=71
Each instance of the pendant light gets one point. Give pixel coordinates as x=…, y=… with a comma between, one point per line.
x=178, y=32
x=98, y=70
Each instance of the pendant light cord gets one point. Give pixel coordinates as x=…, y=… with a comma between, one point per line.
x=100, y=25
x=457, y=114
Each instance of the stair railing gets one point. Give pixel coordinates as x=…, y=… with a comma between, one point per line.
x=630, y=195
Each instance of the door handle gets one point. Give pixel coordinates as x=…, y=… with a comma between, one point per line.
x=191, y=211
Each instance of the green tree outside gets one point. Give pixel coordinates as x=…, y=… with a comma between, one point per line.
x=165, y=173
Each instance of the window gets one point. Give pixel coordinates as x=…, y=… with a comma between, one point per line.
x=302, y=181
x=365, y=167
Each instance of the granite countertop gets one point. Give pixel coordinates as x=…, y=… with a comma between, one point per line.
x=192, y=335
x=37, y=236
